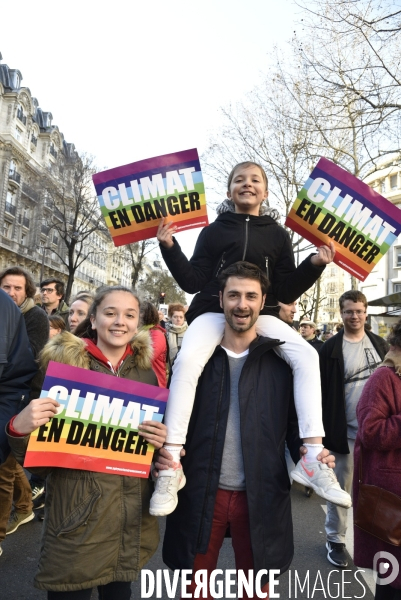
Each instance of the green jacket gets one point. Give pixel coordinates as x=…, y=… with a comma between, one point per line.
x=63, y=311
x=97, y=527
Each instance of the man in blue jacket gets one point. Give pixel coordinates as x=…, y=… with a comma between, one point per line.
x=17, y=368
x=235, y=467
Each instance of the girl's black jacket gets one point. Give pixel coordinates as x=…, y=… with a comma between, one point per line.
x=233, y=237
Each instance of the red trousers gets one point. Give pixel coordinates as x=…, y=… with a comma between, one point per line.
x=231, y=508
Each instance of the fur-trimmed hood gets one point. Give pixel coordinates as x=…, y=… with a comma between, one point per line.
x=67, y=349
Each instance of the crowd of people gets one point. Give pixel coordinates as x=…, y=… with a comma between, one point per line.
x=244, y=387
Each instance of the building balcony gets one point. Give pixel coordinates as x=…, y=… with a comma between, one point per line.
x=30, y=192
x=6, y=241
x=14, y=177
x=58, y=214
x=21, y=117
x=11, y=209
x=24, y=221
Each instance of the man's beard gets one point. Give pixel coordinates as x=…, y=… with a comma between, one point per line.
x=229, y=315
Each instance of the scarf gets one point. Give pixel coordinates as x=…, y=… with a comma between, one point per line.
x=27, y=304
x=173, y=339
x=264, y=210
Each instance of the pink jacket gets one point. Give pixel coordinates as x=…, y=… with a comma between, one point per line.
x=159, y=344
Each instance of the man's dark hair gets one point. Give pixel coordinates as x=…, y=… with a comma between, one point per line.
x=30, y=287
x=244, y=270
x=354, y=296
x=59, y=285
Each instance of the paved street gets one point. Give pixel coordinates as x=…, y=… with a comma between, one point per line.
x=20, y=551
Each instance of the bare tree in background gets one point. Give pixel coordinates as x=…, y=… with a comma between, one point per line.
x=369, y=35
x=138, y=252
x=270, y=129
x=306, y=107
x=162, y=282
x=309, y=104
x=76, y=216
x=310, y=303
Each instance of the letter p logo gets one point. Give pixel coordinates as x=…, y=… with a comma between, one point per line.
x=385, y=563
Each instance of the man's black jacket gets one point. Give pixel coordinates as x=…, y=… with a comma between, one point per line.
x=17, y=366
x=233, y=237
x=316, y=343
x=333, y=392
x=268, y=419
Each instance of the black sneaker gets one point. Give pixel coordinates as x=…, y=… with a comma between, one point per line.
x=37, y=490
x=39, y=502
x=336, y=554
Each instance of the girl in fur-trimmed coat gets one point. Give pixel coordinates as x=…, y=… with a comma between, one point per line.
x=97, y=529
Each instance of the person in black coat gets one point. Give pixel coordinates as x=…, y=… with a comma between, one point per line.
x=17, y=368
x=346, y=362
x=21, y=288
x=308, y=332
x=234, y=419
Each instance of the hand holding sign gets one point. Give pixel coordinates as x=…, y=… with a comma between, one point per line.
x=37, y=413
x=165, y=233
x=324, y=256
x=153, y=432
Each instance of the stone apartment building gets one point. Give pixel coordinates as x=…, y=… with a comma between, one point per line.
x=332, y=286
x=30, y=145
x=385, y=279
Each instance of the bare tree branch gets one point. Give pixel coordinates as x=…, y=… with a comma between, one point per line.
x=72, y=211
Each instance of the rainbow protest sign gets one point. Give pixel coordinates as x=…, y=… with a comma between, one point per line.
x=335, y=206
x=96, y=428
x=135, y=197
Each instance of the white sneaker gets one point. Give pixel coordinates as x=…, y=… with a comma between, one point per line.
x=322, y=480
x=164, y=499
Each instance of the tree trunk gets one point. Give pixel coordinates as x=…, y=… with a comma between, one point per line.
x=68, y=289
x=71, y=272
x=317, y=301
x=136, y=268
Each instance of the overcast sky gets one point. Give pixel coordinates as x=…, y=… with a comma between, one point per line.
x=127, y=80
